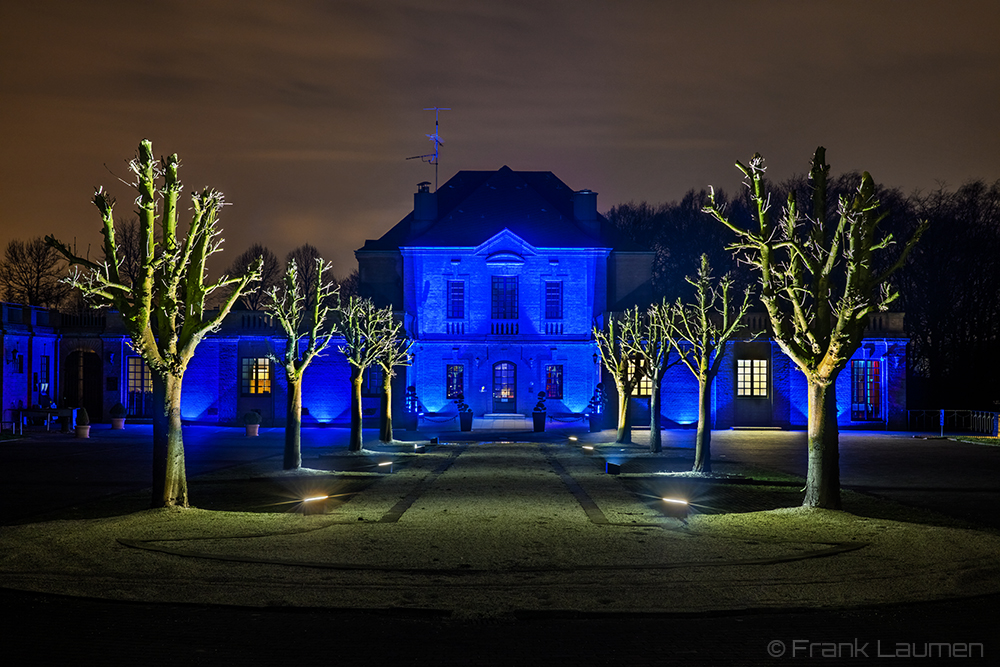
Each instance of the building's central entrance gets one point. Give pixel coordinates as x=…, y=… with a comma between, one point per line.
x=504, y=386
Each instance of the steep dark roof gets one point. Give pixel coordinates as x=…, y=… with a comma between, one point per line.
x=474, y=206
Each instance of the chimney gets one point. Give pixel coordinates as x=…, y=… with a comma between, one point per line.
x=585, y=211
x=425, y=208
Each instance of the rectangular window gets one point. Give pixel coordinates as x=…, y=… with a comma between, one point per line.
x=504, y=298
x=644, y=387
x=455, y=381
x=256, y=376
x=371, y=381
x=553, y=300
x=751, y=378
x=866, y=390
x=43, y=380
x=456, y=299
x=139, y=383
x=553, y=381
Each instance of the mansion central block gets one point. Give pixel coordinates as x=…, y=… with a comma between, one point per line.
x=500, y=276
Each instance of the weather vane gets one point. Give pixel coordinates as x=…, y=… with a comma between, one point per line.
x=433, y=158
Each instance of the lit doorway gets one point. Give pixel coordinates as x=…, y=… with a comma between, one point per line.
x=504, y=387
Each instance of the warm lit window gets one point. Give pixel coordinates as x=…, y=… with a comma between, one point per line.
x=456, y=299
x=866, y=390
x=455, y=381
x=504, y=298
x=255, y=377
x=751, y=378
x=553, y=300
x=553, y=381
x=644, y=387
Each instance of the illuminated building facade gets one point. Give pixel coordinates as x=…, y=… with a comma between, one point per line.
x=499, y=278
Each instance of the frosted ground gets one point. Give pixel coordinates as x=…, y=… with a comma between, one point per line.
x=489, y=529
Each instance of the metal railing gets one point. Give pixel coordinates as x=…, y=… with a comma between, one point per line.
x=954, y=421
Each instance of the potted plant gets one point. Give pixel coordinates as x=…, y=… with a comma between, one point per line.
x=82, y=423
x=538, y=413
x=251, y=421
x=117, y=413
x=595, y=408
x=464, y=413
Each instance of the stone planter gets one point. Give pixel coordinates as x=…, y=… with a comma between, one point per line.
x=252, y=430
x=117, y=423
x=83, y=431
x=538, y=420
x=465, y=420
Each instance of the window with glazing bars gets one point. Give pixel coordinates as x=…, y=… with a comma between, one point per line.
x=553, y=300
x=553, y=381
x=504, y=298
x=644, y=387
x=456, y=299
x=751, y=378
x=866, y=390
x=371, y=381
x=455, y=378
x=255, y=376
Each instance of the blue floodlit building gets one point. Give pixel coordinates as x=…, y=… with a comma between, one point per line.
x=499, y=278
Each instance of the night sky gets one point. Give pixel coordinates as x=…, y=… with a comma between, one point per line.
x=303, y=113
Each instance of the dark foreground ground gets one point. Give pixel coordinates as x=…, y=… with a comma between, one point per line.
x=48, y=478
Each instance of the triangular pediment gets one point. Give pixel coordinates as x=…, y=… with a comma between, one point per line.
x=505, y=247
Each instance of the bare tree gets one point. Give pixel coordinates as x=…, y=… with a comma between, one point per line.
x=618, y=355
x=128, y=239
x=255, y=295
x=163, y=310
x=652, y=345
x=700, y=332
x=31, y=273
x=395, y=353
x=820, y=279
x=305, y=257
x=315, y=324
x=365, y=342
x=349, y=285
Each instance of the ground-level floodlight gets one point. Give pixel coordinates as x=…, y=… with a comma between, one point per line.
x=313, y=505
x=587, y=449
x=612, y=468
x=419, y=448
x=385, y=467
x=676, y=508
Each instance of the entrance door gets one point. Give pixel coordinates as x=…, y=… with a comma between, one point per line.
x=504, y=386
x=82, y=383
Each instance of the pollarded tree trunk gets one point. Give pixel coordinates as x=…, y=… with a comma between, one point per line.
x=823, y=474
x=703, y=437
x=293, y=424
x=624, y=434
x=169, y=474
x=655, y=437
x=385, y=425
x=356, y=442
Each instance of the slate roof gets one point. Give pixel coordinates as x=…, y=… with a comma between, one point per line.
x=474, y=206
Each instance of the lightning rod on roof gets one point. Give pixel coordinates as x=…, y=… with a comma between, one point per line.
x=433, y=158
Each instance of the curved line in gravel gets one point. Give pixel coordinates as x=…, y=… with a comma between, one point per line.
x=832, y=550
